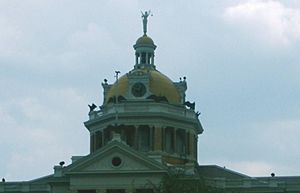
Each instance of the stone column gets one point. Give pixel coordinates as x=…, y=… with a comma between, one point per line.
x=158, y=139
x=187, y=144
x=174, y=140
x=147, y=56
x=92, y=143
x=95, y=141
x=196, y=146
x=191, y=145
x=136, y=142
x=151, y=138
x=152, y=59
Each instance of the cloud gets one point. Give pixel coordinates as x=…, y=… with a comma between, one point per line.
x=264, y=147
x=275, y=146
x=260, y=168
x=4, y=116
x=93, y=43
x=10, y=36
x=268, y=19
x=93, y=37
x=282, y=136
x=251, y=168
x=32, y=37
x=34, y=129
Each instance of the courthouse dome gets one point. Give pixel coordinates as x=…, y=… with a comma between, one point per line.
x=159, y=85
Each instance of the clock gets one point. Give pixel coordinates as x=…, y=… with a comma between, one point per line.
x=138, y=89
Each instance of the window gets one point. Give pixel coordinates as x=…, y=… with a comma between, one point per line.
x=116, y=161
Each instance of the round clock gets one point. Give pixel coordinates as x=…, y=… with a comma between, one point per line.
x=138, y=89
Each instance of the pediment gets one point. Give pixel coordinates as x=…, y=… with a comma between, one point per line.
x=116, y=158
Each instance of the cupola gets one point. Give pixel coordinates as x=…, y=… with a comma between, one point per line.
x=144, y=48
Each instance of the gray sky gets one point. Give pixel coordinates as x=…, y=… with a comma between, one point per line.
x=241, y=59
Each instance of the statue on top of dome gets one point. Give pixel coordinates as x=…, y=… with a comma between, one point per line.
x=145, y=20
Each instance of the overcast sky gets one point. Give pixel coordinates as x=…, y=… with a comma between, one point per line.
x=241, y=59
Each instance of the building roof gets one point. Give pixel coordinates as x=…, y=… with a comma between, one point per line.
x=214, y=171
x=145, y=40
x=160, y=85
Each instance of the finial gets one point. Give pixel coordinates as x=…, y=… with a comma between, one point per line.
x=62, y=163
x=117, y=75
x=145, y=20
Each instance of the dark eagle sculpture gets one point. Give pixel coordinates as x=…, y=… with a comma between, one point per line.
x=190, y=105
x=92, y=107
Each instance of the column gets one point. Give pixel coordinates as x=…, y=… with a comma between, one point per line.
x=157, y=139
x=187, y=144
x=151, y=138
x=191, y=148
x=174, y=140
x=152, y=59
x=136, y=58
x=92, y=143
x=95, y=141
x=196, y=146
x=147, y=56
x=136, y=144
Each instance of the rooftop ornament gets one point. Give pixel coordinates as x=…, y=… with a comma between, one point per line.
x=145, y=20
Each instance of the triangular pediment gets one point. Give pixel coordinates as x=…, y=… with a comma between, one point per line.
x=115, y=157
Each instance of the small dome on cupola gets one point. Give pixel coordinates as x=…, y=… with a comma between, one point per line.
x=144, y=44
x=144, y=40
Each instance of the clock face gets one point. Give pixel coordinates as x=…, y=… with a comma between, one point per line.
x=138, y=89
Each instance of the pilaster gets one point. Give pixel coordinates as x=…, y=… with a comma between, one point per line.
x=191, y=145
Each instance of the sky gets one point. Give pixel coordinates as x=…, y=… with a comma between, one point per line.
x=240, y=57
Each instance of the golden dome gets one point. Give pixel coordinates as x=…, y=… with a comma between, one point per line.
x=160, y=85
x=145, y=40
